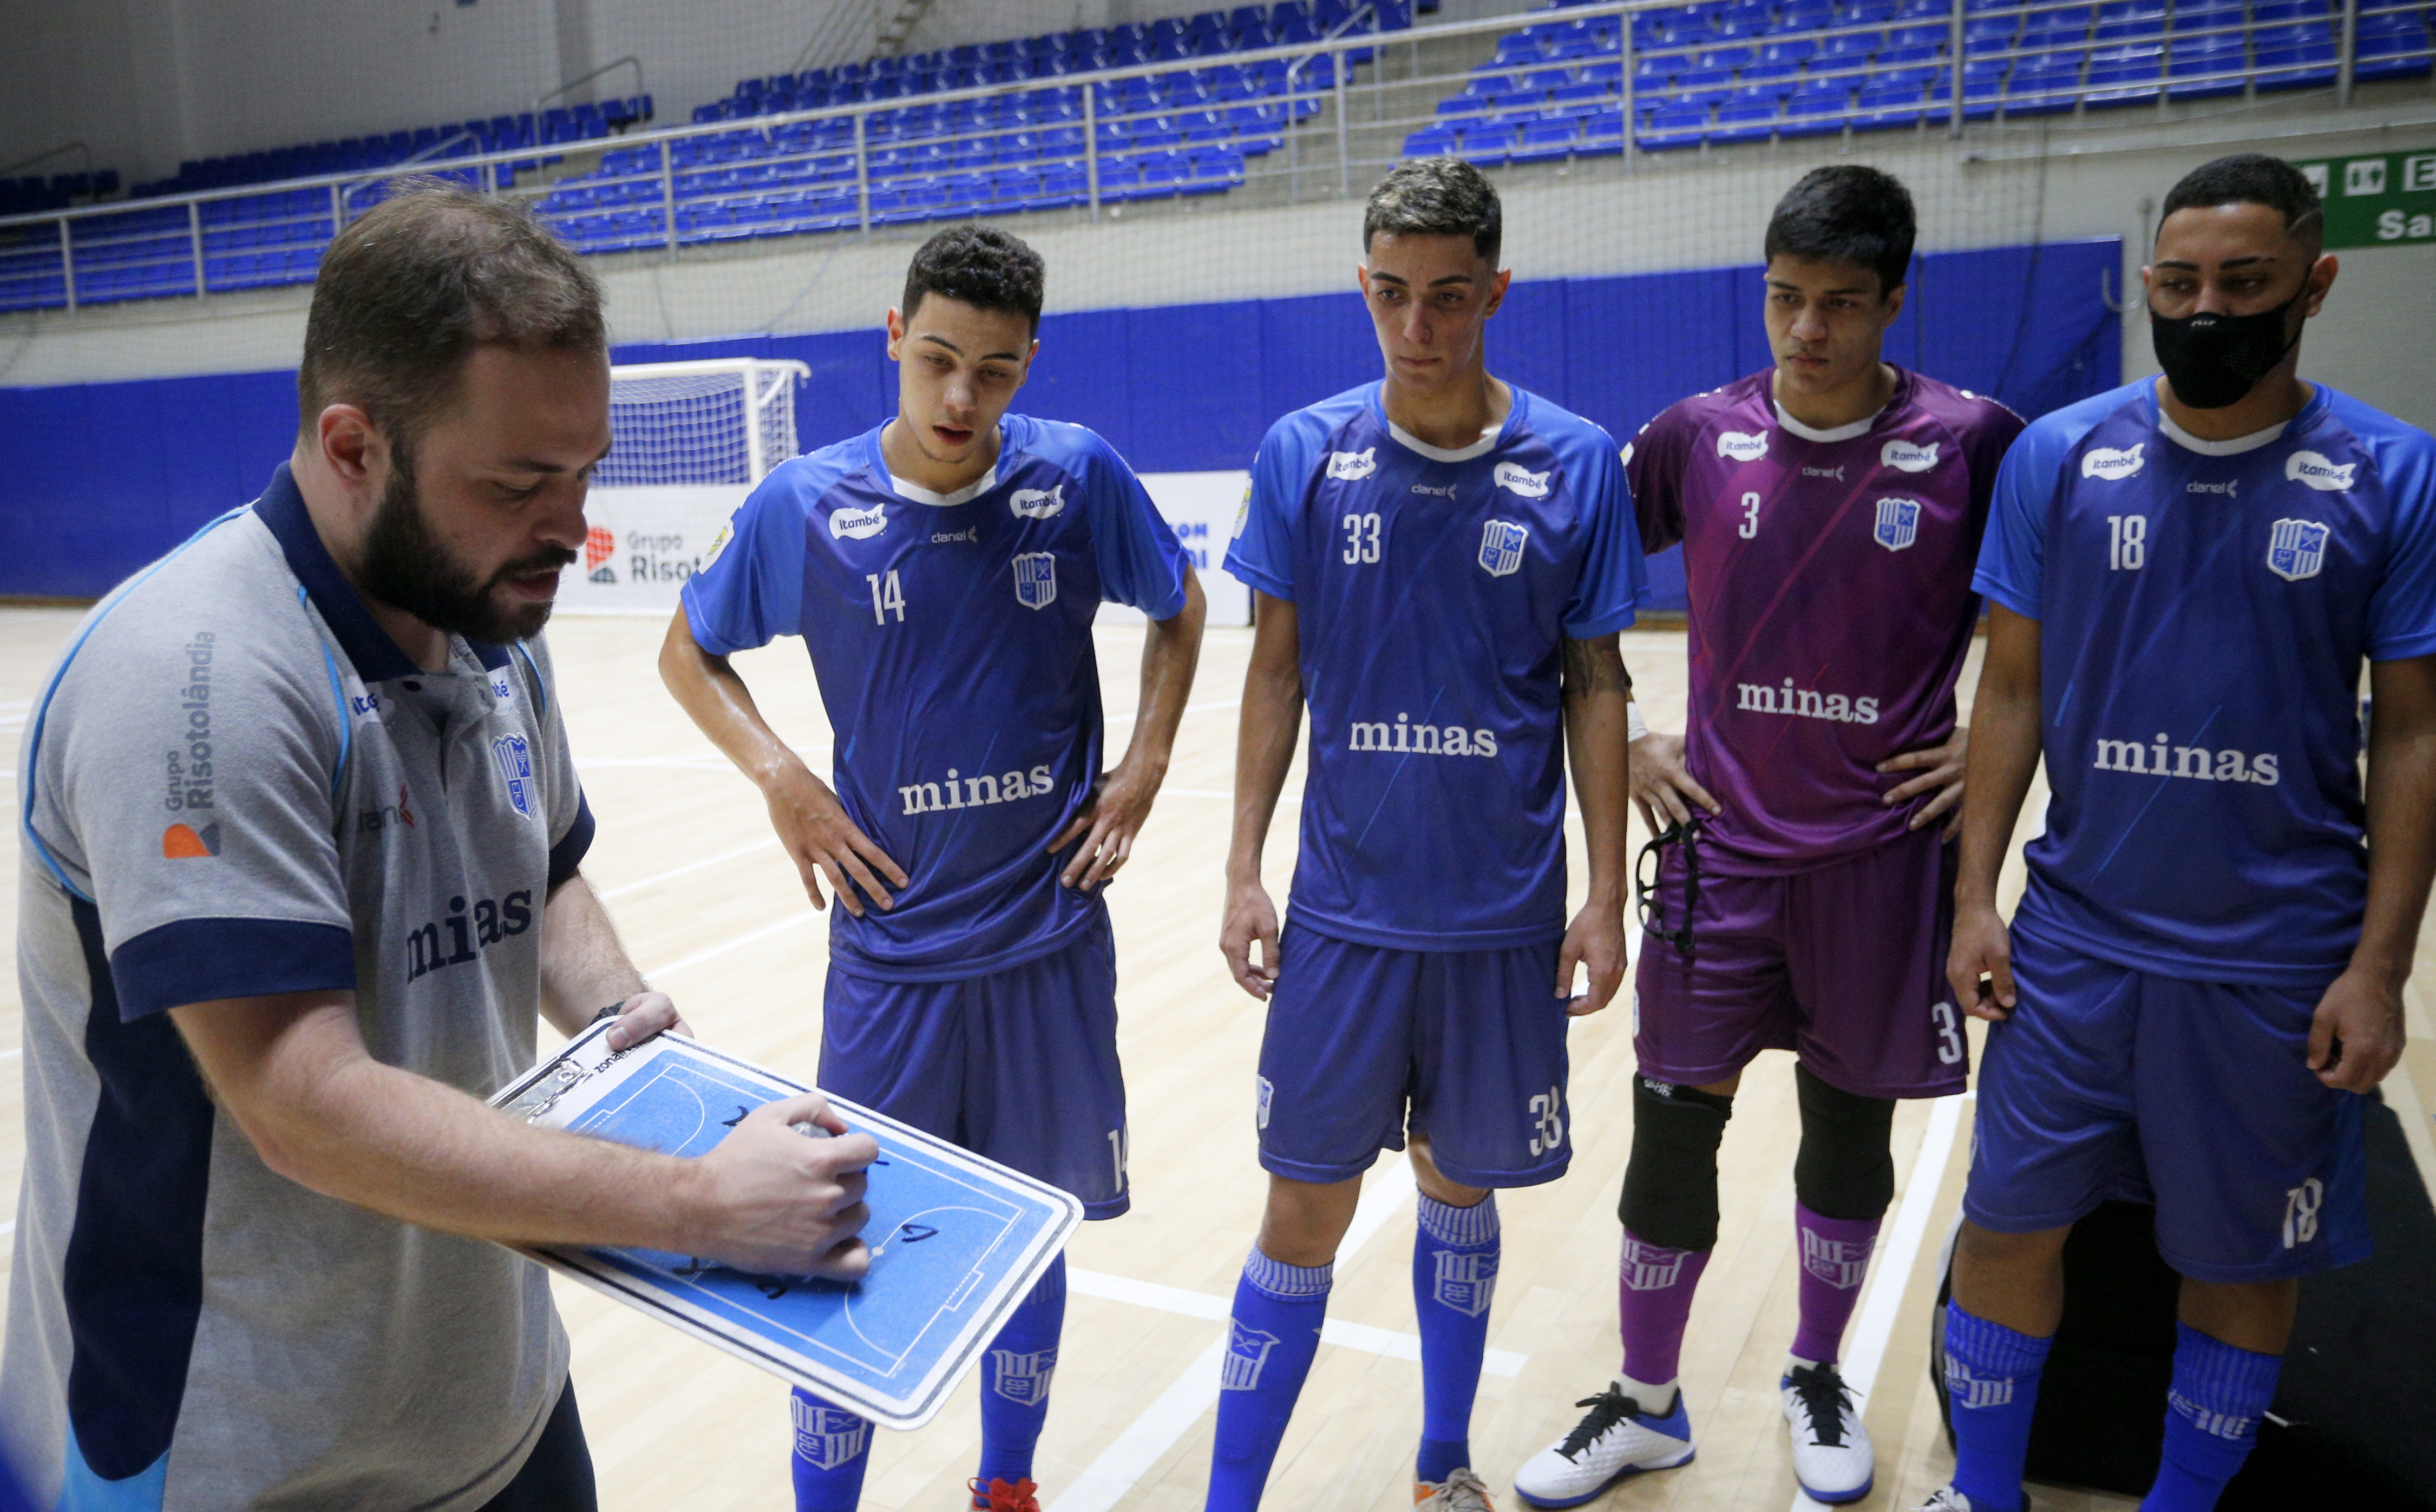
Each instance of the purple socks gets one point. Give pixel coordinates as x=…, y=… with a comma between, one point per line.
x=1835, y=1258
x=1654, y=1287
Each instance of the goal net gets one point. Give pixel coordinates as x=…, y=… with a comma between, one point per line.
x=689, y=442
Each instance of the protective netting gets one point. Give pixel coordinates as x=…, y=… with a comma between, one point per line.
x=713, y=421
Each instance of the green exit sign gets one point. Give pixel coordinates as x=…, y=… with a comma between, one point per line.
x=2385, y=200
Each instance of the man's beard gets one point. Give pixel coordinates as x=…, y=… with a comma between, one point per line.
x=406, y=566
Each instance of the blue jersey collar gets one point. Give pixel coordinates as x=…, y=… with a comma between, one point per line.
x=375, y=657
x=1505, y=433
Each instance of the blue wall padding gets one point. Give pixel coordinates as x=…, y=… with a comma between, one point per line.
x=96, y=480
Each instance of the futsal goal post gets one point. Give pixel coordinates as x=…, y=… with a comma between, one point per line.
x=689, y=442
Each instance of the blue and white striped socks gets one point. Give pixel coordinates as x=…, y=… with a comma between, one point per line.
x=1271, y=1339
x=1455, y=1276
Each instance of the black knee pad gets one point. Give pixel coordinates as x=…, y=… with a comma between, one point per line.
x=1845, y=1168
x=1670, y=1186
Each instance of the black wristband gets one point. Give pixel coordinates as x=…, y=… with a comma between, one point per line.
x=609, y=1012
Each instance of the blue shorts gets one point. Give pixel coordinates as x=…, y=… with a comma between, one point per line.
x=1466, y=1048
x=2108, y=1082
x=1019, y=1066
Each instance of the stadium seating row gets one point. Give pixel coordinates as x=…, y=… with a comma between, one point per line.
x=1211, y=34
x=500, y=133
x=1727, y=71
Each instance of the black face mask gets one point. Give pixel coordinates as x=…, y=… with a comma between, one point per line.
x=2214, y=360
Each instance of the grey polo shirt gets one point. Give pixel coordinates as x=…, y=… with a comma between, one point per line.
x=234, y=782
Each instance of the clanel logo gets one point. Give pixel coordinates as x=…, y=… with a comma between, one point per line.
x=1516, y=479
x=2318, y=471
x=1352, y=466
x=1447, y=492
x=1039, y=504
x=1906, y=458
x=2113, y=466
x=1836, y=473
x=2230, y=488
x=858, y=524
x=972, y=534
x=1741, y=448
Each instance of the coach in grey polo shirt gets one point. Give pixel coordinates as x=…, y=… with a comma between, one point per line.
x=301, y=846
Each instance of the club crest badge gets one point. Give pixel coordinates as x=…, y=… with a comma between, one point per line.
x=1035, y=579
x=1352, y=466
x=1501, y=546
x=516, y=764
x=1022, y=1379
x=828, y=1437
x=1465, y=1283
x=1248, y=1351
x=1898, y=523
x=2296, y=548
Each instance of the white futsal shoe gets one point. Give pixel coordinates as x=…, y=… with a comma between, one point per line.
x=1946, y=1499
x=1831, y=1449
x=1614, y=1439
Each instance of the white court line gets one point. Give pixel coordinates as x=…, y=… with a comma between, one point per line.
x=749, y=937
x=1137, y=1451
x=1890, y=1272
x=1130, y=715
x=1214, y=1308
x=676, y=872
x=7, y=1053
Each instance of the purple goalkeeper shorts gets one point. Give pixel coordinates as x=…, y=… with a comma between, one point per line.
x=2111, y=1082
x=1844, y=965
x=1019, y=1066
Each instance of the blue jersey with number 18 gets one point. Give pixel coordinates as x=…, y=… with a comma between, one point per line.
x=951, y=635
x=1431, y=590
x=2203, y=610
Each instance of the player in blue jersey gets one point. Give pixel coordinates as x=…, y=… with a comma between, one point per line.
x=1442, y=563
x=2206, y=971
x=943, y=571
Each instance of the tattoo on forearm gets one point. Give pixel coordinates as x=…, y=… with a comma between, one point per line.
x=1594, y=667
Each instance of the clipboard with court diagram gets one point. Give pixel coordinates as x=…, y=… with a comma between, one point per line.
x=957, y=1241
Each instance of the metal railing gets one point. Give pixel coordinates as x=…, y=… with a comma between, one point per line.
x=1093, y=141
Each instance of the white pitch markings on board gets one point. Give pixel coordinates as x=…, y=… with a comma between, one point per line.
x=1137, y=1451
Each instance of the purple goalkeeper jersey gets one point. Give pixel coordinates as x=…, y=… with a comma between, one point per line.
x=1830, y=596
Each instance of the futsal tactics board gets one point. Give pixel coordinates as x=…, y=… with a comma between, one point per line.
x=957, y=1241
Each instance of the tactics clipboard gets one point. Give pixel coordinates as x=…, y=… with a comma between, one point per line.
x=957, y=1241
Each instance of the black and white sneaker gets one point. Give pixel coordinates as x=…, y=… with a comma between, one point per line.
x=1615, y=1439
x=1831, y=1449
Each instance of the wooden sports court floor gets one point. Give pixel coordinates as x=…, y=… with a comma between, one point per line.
x=714, y=915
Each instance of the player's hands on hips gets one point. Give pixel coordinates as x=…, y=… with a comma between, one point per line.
x=2355, y=1037
x=1594, y=939
x=1943, y=776
x=1663, y=787
x=813, y=826
x=641, y=1016
x=779, y=1204
x=1107, y=822
x=1250, y=918
x=1981, y=946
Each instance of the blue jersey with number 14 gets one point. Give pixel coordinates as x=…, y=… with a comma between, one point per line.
x=2204, y=609
x=1432, y=591
x=952, y=639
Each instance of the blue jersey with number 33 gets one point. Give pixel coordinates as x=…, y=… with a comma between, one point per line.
x=1432, y=589
x=2203, y=610
x=951, y=635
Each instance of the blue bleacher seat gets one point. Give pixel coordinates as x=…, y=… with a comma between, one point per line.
x=2198, y=57
x=1749, y=115
x=2043, y=85
x=1886, y=102
x=1819, y=106
x=1544, y=141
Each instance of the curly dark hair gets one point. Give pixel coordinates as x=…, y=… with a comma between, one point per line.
x=980, y=266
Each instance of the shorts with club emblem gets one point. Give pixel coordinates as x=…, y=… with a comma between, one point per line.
x=1844, y=965
x=2110, y=1084
x=1365, y=1043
